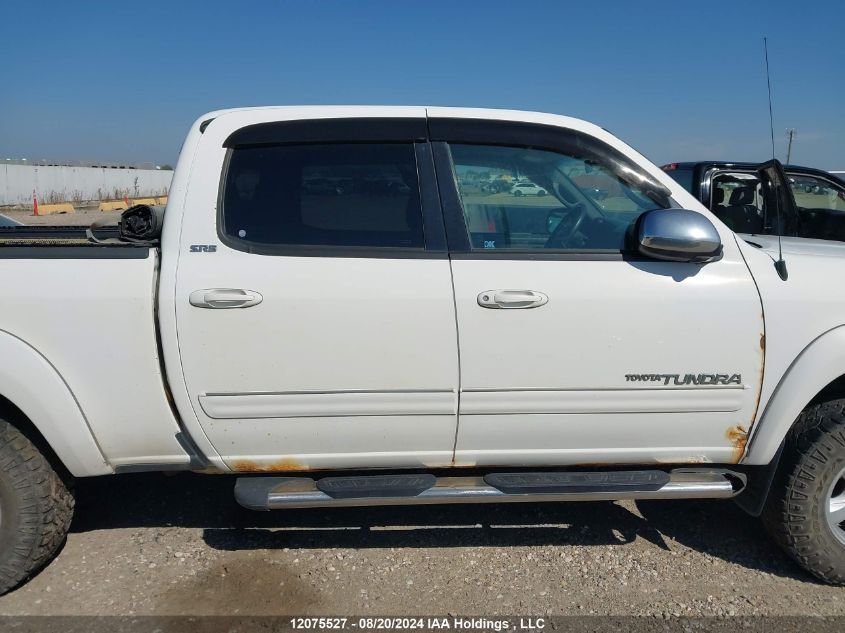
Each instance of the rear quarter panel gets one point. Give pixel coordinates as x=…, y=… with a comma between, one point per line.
x=92, y=320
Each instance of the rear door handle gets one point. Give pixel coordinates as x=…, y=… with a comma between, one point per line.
x=512, y=299
x=224, y=298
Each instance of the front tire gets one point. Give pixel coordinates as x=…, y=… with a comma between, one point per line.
x=35, y=508
x=805, y=510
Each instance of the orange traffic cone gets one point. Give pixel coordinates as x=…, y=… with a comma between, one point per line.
x=34, y=203
x=126, y=200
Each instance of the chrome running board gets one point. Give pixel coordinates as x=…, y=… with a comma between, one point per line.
x=274, y=493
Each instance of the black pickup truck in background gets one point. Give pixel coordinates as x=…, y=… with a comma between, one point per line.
x=733, y=191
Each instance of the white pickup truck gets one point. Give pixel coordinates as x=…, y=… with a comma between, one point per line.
x=340, y=312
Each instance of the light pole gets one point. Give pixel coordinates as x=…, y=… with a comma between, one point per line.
x=790, y=133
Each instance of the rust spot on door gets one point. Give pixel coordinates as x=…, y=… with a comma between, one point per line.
x=738, y=437
x=760, y=375
x=280, y=466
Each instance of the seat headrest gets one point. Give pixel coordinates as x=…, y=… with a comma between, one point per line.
x=741, y=195
x=718, y=195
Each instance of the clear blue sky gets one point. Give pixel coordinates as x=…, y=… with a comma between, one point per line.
x=678, y=80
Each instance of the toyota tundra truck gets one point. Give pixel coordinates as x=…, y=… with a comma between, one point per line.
x=336, y=309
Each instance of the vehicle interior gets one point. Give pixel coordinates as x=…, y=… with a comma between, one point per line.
x=587, y=215
x=737, y=200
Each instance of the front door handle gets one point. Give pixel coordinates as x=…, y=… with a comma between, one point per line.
x=512, y=299
x=224, y=298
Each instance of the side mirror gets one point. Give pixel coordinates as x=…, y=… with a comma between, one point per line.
x=678, y=235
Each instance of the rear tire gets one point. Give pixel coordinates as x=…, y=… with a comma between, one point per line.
x=35, y=509
x=809, y=484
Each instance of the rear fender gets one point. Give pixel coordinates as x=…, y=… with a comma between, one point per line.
x=31, y=383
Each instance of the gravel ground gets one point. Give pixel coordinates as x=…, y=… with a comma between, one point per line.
x=179, y=545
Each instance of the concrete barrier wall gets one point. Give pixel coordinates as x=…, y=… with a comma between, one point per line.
x=75, y=184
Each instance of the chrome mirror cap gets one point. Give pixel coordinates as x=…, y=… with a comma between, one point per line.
x=678, y=235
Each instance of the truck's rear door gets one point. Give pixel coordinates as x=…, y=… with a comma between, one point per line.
x=316, y=320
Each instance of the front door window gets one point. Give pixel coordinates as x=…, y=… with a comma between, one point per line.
x=524, y=199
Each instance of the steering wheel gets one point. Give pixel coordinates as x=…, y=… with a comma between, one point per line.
x=568, y=226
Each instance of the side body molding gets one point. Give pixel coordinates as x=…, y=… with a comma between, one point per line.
x=32, y=384
x=821, y=362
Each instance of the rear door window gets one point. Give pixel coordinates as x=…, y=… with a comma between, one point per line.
x=681, y=175
x=323, y=195
x=821, y=206
x=816, y=193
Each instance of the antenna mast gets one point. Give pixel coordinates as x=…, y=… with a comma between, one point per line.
x=780, y=264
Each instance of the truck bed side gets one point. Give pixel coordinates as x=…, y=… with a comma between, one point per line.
x=90, y=313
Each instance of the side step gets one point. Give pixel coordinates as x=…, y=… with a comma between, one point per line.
x=375, y=486
x=272, y=493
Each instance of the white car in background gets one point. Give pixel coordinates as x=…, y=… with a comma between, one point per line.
x=528, y=189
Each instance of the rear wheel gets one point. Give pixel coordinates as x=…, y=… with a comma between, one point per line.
x=805, y=511
x=35, y=508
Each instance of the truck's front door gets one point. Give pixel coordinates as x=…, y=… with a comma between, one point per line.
x=316, y=321
x=573, y=349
